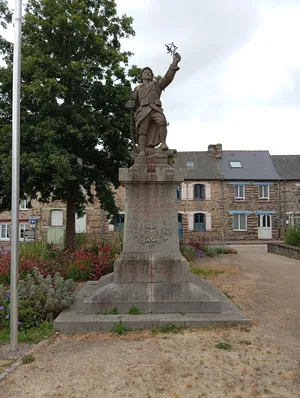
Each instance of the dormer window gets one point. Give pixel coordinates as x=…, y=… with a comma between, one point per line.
x=190, y=163
x=235, y=164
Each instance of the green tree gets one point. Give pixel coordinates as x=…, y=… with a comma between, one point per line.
x=5, y=14
x=74, y=126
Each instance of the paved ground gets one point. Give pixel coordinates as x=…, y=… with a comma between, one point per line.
x=274, y=285
x=263, y=361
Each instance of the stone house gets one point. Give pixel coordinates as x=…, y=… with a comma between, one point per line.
x=47, y=222
x=250, y=198
x=199, y=196
x=228, y=195
x=225, y=195
x=288, y=167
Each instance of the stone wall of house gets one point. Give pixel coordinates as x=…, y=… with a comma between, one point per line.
x=289, y=202
x=96, y=221
x=5, y=218
x=217, y=204
x=253, y=204
x=210, y=206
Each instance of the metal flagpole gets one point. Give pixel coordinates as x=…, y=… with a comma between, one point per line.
x=15, y=185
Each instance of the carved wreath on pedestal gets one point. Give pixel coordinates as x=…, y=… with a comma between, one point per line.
x=151, y=233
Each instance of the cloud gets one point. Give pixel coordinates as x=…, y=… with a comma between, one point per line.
x=289, y=96
x=265, y=66
x=248, y=129
x=239, y=81
x=206, y=32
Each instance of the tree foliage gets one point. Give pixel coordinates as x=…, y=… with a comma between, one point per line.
x=74, y=127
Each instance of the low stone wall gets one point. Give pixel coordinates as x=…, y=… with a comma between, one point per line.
x=284, y=250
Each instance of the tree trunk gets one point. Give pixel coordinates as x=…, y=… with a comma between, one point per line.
x=70, y=229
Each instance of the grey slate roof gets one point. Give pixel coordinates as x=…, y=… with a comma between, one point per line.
x=206, y=166
x=287, y=166
x=256, y=165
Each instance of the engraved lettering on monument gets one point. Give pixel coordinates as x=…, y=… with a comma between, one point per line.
x=151, y=232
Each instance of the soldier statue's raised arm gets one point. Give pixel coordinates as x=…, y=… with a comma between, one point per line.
x=150, y=121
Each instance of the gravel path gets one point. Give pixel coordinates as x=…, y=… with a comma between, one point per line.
x=263, y=361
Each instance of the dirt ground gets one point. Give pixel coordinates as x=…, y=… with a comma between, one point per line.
x=263, y=361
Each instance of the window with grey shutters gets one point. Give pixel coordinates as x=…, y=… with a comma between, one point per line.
x=239, y=192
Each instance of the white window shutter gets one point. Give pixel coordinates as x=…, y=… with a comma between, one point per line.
x=190, y=217
x=57, y=218
x=183, y=191
x=190, y=192
x=80, y=224
x=208, y=192
x=208, y=221
x=111, y=228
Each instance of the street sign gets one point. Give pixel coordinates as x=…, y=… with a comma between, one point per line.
x=29, y=235
x=32, y=222
x=34, y=217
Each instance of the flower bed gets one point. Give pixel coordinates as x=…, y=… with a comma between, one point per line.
x=81, y=265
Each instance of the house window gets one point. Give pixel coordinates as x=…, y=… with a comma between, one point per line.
x=22, y=228
x=240, y=222
x=239, y=192
x=179, y=192
x=120, y=219
x=235, y=164
x=180, y=225
x=264, y=192
x=57, y=218
x=5, y=232
x=294, y=219
x=190, y=163
x=199, y=191
x=24, y=204
x=199, y=222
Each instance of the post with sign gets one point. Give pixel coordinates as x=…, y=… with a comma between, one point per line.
x=29, y=235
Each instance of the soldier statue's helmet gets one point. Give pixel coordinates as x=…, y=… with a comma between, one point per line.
x=143, y=70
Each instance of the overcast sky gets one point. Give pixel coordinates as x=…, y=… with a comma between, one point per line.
x=239, y=82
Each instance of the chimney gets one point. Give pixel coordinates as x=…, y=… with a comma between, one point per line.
x=211, y=149
x=219, y=153
x=215, y=150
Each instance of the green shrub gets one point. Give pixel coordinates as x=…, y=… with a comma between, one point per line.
x=292, y=236
x=189, y=253
x=40, y=298
x=116, y=245
x=119, y=328
x=40, y=250
x=171, y=328
x=134, y=311
x=205, y=272
x=209, y=251
x=224, y=346
x=80, y=240
x=219, y=250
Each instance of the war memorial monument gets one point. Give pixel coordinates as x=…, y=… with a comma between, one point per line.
x=150, y=274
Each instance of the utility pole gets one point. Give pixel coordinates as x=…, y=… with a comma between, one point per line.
x=15, y=185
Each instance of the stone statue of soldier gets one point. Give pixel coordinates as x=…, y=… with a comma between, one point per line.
x=150, y=121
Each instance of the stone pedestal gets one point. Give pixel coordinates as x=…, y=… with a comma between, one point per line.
x=151, y=273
